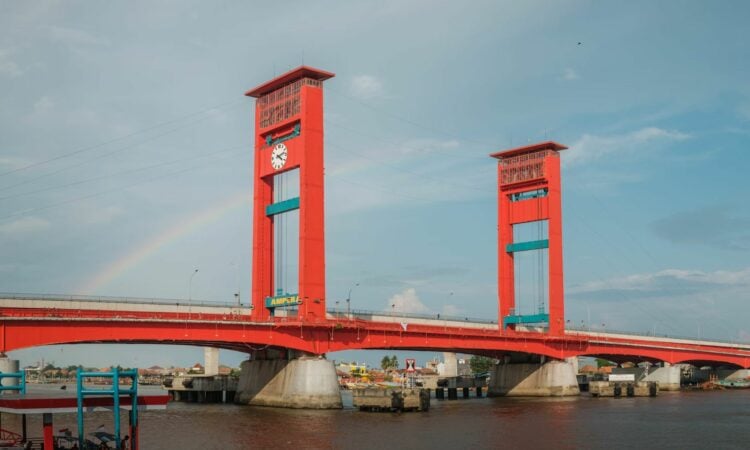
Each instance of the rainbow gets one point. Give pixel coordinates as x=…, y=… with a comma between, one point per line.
x=152, y=245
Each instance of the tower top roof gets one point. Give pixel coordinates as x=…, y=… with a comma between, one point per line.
x=546, y=145
x=288, y=77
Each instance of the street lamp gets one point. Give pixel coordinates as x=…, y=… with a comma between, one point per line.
x=190, y=285
x=349, y=300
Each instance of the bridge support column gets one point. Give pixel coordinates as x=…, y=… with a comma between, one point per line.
x=532, y=379
x=210, y=361
x=8, y=365
x=302, y=382
x=667, y=376
x=732, y=374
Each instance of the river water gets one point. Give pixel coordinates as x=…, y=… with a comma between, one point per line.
x=701, y=420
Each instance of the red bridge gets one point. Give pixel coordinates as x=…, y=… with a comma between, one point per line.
x=31, y=321
x=289, y=139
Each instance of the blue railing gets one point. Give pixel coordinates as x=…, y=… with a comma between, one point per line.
x=21, y=376
x=115, y=392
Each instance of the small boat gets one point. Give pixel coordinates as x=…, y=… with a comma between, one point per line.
x=733, y=384
x=100, y=439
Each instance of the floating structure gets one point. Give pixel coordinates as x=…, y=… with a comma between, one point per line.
x=391, y=399
x=623, y=389
x=201, y=388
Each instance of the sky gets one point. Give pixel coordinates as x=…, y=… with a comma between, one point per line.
x=126, y=153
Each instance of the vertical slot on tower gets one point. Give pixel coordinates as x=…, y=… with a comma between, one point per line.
x=286, y=235
x=531, y=269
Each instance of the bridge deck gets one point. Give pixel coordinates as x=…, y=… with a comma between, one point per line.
x=230, y=326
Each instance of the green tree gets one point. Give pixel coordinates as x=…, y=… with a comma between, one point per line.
x=480, y=364
x=603, y=363
x=394, y=362
x=385, y=363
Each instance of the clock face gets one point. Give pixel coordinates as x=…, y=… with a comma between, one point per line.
x=278, y=156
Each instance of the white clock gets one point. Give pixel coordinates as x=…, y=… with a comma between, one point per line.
x=278, y=156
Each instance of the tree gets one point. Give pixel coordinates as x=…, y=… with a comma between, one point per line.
x=603, y=363
x=480, y=364
x=389, y=362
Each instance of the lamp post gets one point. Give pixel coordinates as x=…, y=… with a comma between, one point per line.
x=349, y=301
x=190, y=285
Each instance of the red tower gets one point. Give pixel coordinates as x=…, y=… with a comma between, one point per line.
x=529, y=191
x=288, y=136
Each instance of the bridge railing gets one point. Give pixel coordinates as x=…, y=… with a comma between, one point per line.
x=359, y=313
x=608, y=331
x=107, y=299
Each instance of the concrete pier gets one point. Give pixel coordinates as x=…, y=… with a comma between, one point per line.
x=530, y=379
x=668, y=377
x=305, y=382
x=8, y=365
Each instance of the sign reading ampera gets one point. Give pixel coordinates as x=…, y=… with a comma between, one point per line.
x=280, y=301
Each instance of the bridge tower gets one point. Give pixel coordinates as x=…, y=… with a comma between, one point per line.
x=289, y=136
x=529, y=191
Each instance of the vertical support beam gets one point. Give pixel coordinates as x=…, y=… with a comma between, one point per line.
x=134, y=427
x=79, y=402
x=555, y=252
x=263, y=261
x=116, y=403
x=311, y=215
x=506, y=275
x=49, y=440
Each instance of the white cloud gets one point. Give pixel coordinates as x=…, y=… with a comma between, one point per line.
x=366, y=87
x=43, y=105
x=23, y=226
x=570, y=74
x=406, y=301
x=590, y=148
x=666, y=279
x=452, y=310
x=8, y=67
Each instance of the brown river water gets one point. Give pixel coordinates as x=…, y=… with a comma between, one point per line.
x=686, y=420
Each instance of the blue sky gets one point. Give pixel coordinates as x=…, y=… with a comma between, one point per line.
x=654, y=104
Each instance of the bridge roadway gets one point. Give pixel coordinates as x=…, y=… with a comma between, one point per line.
x=29, y=320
